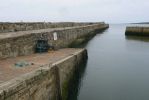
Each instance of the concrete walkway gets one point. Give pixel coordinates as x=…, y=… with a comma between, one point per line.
x=10, y=70
x=20, y=33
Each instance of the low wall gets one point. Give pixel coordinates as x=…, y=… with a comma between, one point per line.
x=47, y=83
x=23, y=43
x=13, y=27
x=138, y=31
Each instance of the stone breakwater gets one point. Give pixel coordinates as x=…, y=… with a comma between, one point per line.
x=137, y=31
x=24, y=26
x=22, y=43
x=47, y=80
x=44, y=76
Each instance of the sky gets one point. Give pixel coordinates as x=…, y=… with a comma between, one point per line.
x=110, y=11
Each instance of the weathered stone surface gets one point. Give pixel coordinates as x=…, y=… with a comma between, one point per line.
x=49, y=81
x=137, y=31
x=45, y=83
x=23, y=26
x=23, y=43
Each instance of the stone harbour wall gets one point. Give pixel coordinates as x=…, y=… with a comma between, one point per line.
x=23, y=43
x=137, y=31
x=46, y=83
x=25, y=26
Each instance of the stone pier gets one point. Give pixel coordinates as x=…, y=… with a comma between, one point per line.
x=44, y=78
x=27, y=75
x=137, y=31
x=22, y=43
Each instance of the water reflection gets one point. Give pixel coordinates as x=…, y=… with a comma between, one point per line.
x=76, y=82
x=137, y=38
x=117, y=68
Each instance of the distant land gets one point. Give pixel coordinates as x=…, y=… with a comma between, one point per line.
x=141, y=23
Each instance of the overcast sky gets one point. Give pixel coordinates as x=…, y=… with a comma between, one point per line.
x=111, y=11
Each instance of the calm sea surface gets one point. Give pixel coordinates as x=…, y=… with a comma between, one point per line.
x=117, y=68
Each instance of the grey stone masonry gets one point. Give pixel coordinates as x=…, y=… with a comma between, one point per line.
x=21, y=43
x=25, y=26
